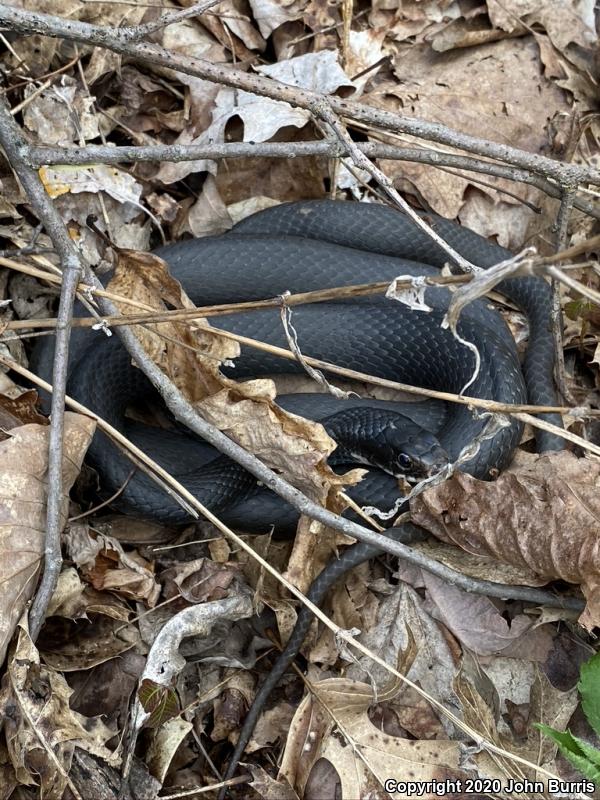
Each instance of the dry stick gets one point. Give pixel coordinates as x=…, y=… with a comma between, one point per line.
x=11, y=139
x=561, y=229
x=47, y=25
x=136, y=32
x=534, y=265
x=108, y=154
x=312, y=297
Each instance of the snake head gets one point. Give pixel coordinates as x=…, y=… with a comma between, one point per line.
x=408, y=451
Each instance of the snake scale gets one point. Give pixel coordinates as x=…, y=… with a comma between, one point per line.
x=299, y=247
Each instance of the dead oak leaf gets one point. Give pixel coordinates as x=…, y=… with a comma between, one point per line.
x=543, y=516
x=473, y=90
x=564, y=20
x=362, y=754
x=126, y=574
x=190, y=358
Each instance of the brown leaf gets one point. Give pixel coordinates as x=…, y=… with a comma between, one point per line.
x=190, y=358
x=472, y=90
x=543, y=516
x=35, y=694
x=198, y=581
x=479, y=624
x=361, y=752
x=23, y=495
x=73, y=600
x=19, y=408
x=564, y=20
x=406, y=636
x=165, y=744
x=126, y=574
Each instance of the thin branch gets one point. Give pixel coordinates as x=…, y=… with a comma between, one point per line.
x=109, y=154
x=47, y=25
x=563, y=216
x=561, y=226
x=11, y=140
x=536, y=265
x=136, y=32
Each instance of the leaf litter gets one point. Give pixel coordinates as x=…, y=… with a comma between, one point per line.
x=487, y=661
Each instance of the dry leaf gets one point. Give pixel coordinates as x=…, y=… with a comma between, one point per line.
x=480, y=625
x=431, y=662
x=197, y=581
x=544, y=704
x=433, y=86
x=270, y=14
x=82, y=645
x=412, y=18
x=73, y=599
x=362, y=754
x=165, y=744
x=233, y=19
x=564, y=20
x=41, y=730
x=62, y=114
x=95, y=178
x=18, y=407
x=543, y=516
x=23, y=494
x=126, y=574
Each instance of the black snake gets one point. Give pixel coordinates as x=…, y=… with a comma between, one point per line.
x=299, y=247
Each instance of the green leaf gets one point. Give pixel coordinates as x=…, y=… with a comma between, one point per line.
x=158, y=701
x=589, y=689
x=582, y=755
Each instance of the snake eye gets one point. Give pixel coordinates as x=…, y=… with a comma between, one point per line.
x=404, y=461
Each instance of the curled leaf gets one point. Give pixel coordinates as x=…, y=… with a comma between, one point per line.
x=542, y=515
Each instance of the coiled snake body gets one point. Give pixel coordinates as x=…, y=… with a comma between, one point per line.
x=314, y=245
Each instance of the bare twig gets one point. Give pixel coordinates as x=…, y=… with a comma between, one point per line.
x=109, y=154
x=12, y=141
x=136, y=32
x=562, y=224
x=535, y=265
